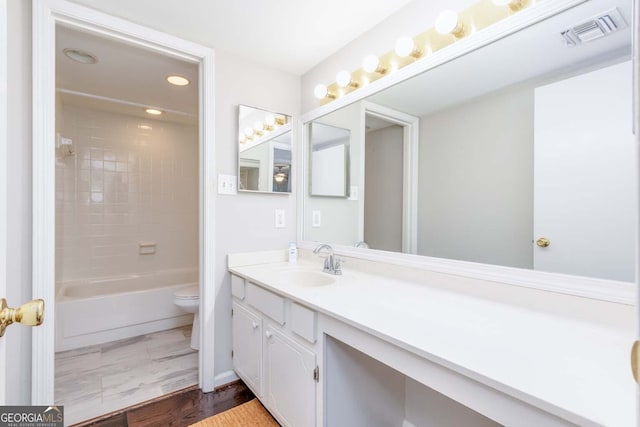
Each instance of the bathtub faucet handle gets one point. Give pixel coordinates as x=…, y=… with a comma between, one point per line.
x=28, y=314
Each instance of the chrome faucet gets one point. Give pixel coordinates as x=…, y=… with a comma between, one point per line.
x=332, y=264
x=361, y=244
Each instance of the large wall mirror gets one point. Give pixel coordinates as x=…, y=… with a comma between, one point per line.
x=525, y=155
x=264, y=151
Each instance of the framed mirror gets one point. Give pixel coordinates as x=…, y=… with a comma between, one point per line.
x=329, y=160
x=264, y=151
x=525, y=155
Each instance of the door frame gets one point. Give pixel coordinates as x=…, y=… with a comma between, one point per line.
x=411, y=139
x=3, y=186
x=46, y=15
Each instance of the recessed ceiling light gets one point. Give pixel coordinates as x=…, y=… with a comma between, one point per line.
x=153, y=111
x=80, y=56
x=178, y=80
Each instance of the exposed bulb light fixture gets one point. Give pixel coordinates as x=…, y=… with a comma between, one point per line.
x=343, y=78
x=321, y=92
x=513, y=4
x=242, y=138
x=248, y=131
x=371, y=64
x=80, y=56
x=405, y=46
x=178, y=80
x=153, y=111
x=449, y=23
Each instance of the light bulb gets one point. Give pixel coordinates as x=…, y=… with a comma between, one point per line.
x=270, y=120
x=242, y=138
x=320, y=91
x=449, y=23
x=405, y=46
x=178, y=80
x=343, y=78
x=371, y=64
x=258, y=126
x=153, y=111
x=248, y=131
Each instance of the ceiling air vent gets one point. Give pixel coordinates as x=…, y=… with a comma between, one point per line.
x=600, y=26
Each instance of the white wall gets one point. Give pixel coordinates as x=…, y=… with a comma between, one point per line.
x=125, y=185
x=475, y=188
x=245, y=222
x=414, y=18
x=383, y=192
x=425, y=407
x=18, y=338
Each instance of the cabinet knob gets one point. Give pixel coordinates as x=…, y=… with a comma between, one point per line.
x=268, y=334
x=255, y=325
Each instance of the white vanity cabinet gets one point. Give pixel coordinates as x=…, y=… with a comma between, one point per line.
x=247, y=347
x=274, y=352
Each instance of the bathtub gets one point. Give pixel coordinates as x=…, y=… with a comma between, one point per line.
x=99, y=310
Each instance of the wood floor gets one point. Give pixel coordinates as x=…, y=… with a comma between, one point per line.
x=179, y=409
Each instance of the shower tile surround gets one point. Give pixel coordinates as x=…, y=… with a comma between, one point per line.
x=95, y=380
x=125, y=184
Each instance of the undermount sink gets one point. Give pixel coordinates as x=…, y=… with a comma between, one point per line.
x=306, y=278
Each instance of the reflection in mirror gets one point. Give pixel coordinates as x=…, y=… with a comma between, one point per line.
x=329, y=163
x=264, y=151
x=525, y=154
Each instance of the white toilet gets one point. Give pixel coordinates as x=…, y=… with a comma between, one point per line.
x=188, y=299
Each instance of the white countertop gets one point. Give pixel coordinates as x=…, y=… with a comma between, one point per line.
x=558, y=363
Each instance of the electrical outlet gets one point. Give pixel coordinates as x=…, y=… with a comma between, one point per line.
x=280, y=218
x=316, y=218
x=227, y=184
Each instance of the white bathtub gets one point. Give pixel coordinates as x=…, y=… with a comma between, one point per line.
x=95, y=311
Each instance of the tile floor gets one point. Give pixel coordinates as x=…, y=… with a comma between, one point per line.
x=95, y=380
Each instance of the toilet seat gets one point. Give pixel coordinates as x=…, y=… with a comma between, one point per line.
x=187, y=293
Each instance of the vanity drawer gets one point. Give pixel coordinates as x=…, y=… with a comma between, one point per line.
x=267, y=302
x=303, y=322
x=237, y=287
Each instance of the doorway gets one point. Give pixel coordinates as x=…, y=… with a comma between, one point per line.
x=389, y=168
x=50, y=15
x=383, y=184
x=126, y=223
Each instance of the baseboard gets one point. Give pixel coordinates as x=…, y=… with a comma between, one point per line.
x=225, y=378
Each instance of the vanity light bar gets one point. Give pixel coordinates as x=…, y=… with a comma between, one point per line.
x=450, y=27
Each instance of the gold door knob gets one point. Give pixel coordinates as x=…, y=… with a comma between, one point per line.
x=543, y=242
x=28, y=314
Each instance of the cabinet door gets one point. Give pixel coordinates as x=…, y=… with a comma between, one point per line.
x=290, y=386
x=247, y=347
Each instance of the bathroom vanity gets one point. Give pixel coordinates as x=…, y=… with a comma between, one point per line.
x=385, y=344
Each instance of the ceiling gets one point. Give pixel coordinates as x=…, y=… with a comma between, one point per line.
x=289, y=35
x=126, y=79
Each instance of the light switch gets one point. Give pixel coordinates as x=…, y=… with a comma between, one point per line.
x=316, y=218
x=353, y=193
x=227, y=184
x=280, y=218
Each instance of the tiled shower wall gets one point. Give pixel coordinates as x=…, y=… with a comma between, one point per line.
x=130, y=181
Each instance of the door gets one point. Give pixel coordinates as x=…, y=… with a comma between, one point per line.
x=582, y=134
x=247, y=347
x=290, y=387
